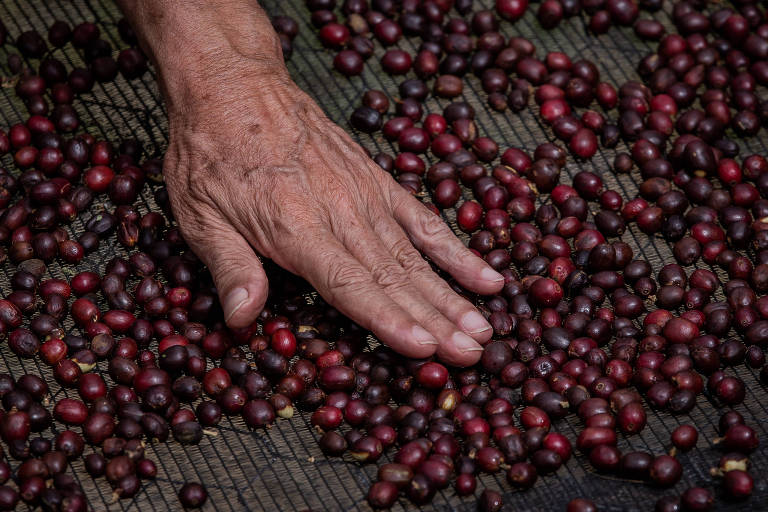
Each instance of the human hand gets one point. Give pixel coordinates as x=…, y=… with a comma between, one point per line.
x=254, y=166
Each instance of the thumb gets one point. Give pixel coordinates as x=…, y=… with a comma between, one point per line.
x=237, y=273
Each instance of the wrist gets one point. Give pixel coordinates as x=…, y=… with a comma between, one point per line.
x=197, y=45
x=215, y=78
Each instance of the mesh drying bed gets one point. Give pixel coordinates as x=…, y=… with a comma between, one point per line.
x=282, y=468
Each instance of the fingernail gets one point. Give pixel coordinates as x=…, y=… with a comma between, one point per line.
x=234, y=301
x=474, y=323
x=464, y=343
x=423, y=337
x=491, y=275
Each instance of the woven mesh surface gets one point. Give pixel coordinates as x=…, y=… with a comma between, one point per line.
x=282, y=468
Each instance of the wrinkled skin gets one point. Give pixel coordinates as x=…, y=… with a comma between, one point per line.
x=255, y=167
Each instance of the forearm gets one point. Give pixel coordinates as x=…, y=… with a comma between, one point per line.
x=196, y=44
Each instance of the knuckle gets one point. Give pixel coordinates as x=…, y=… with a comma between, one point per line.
x=343, y=278
x=389, y=276
x=431, y=225
x=400, y=201
x=342, y=199
x=460, y=255
x=223, y=267
x=201, y=234
x=199, y=187
x=293, y=219
x=433, y=317
x=444, y=295
x=191, y=183
x=408, y=257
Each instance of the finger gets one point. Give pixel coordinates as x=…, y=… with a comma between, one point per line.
x=349, y=287
x=455, y=346
x=236, y=269
x=456, y=308
x=433, y=237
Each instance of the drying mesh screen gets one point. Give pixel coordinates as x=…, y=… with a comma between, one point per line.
x=282, y=468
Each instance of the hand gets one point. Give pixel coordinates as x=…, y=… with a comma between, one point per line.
x=254, y=166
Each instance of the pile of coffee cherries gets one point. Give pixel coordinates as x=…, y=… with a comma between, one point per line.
x=583, y=325
x=563, y=259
